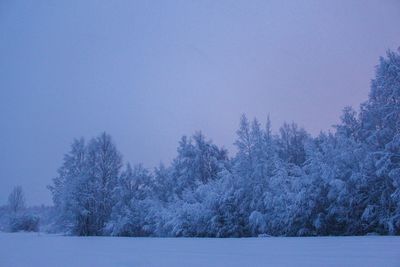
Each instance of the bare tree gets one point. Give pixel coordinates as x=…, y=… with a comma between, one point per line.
x=16, y=199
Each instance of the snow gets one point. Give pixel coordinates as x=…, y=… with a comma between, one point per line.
x=33, y=249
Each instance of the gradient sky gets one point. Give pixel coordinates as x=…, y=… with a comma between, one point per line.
x=148, y=72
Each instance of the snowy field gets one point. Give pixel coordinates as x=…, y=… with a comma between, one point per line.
x=26, y=249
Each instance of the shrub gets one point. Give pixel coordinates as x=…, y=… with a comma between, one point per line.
x=24, y=222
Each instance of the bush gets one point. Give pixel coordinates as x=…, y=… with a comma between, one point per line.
x=25, y=222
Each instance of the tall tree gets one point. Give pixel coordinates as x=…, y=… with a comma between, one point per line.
x=380, y=118
x=68, y=189
x=16, y=200
x=198, y=162
x=82, y=191
x=104, y=163
x=291, y=143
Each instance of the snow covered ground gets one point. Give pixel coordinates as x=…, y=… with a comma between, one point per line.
x=27, y=249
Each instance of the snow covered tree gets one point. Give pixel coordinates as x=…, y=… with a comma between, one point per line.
x=128, y=217
x=16, y=200
x=350, y=125
x=19, y=218
x=254, y=166
x=291, y=144
x=380, y=119
x=68, y=188
x=82, y=190
x=103, y=167
x=163, y=185
x=198, y=162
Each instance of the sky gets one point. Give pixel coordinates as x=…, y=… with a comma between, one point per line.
x=148, y=72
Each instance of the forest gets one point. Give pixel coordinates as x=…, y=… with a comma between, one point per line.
x=284, y=183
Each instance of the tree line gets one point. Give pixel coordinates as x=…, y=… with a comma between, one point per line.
x=344, y=182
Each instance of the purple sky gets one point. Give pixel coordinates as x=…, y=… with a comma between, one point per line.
x=148, y=72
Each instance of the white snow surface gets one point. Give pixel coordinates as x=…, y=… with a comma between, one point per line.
x=33, y=249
